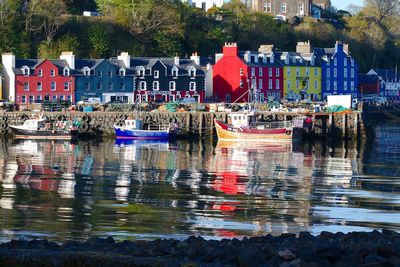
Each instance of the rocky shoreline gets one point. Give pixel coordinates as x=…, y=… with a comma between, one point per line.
x=377, y=248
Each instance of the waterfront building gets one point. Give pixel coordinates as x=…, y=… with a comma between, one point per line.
x=168, y=79
x=284, y=8
x=389, y=82
x=339, y=70
x=369, y=85
x=302, y=74
x=34, y=80
x=247, y=76
x=205, y=4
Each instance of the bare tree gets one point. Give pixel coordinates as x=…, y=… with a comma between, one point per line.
x=382, y=9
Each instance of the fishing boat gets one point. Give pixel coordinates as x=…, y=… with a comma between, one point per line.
x=243, y=126
x=133, y=129
x=39, y=127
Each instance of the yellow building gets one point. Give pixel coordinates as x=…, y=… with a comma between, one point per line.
x=302, y=77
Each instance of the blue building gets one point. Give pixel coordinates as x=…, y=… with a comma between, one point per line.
x=339, y=71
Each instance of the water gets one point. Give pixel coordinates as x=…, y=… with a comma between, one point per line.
x=145, y=190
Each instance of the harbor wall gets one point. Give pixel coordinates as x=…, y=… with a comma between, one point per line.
x=99, y=123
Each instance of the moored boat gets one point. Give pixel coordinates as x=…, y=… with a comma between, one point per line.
x=133, y=129
x=244, y=127
x=39, y=127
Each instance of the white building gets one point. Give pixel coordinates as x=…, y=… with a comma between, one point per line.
x=205, y=4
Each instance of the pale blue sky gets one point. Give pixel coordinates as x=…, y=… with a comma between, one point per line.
x=343, y=4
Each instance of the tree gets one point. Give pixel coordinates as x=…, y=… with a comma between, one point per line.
x=46, y=16
x=382, y=10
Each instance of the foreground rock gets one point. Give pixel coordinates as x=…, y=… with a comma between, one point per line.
x=327, y=249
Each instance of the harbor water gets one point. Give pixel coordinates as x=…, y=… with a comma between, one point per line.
x=61, y=191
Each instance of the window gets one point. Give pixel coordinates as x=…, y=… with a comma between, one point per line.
x=283, y=8
x=52, y=73
x=109, y=87
x=87, y=86
x=53, y=86
x=315, y=72
x=253, y=71
x=31, y=99
x=345, y=85
x=270, y=72
x=328, y=73
x=99, y=73
x=345, y=73
x=174, y=71
x=61, y=97
x=260, y=72
x=260, y=83
x=241, y=83
x=352, y=85
x=288, y=71
x=277, y=86
x=269, y=7
x=335, y=85
x=25, y=71
x=98, y=86
x=26, y=86
x=156, y=85
x=345, y=62
x=40, y=73
x=122, y=72
x=66, y=86
x=142, y=86
x=66, y=71
x=352, y=62
x=241, y=72
x=23, y=99
x=86, y=71
x=39, y=86
x=335, y=62
x=270, y=84
x=297, y=84
x=192, y=72
x=288, y=84
x=54, y=97
x=172, y=86
x=307, y=72
x=335, y=72
x=352, y=73
x=121, y=86
x=315, y=84
x=328, y=85
x=156, y=74
x=277, y=72
x=38, y=98
x=192, y=86
x=297, y=72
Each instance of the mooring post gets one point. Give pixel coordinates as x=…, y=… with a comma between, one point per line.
x=200, y=123
x=188, y=117
x=344, y=126
x=355, y=125
x=330, y=123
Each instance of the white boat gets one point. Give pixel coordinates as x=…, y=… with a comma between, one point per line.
x=133, y=129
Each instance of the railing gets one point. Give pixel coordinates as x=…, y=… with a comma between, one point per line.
x=162, y=127
x=272, y=125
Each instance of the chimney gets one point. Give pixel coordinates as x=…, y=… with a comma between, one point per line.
x=69, y=57
x=8, y=61
x=338, y=46
x=346, y=48
x=247, y=56
x=176, y=60
x=194, y=57
x=126, y=58
x=303, y=47
x=266, y=48
x=230, y=50
x=272, y=58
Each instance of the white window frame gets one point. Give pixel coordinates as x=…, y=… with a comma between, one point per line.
x=172, y=86
x=270, y=72
x=192, y=86
x=345, y=85
x=260, y=72
x=66, y=71
x=26, y=86
x=40, y=73
x=175, y=71
x=270, y=84
x=53, y=86
x=23, y=99
x=142, y=86
x=156, y=74
x=66, y=86
x=241, y=72
x=156, y=85
x=26, y=71
x=122, y=72
x=277, y=84
x=52, y=73
x=277, y=72
x=283, y=8
x=39, y=88
x=260, y=84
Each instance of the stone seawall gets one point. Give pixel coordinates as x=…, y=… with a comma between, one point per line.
x=336, y=125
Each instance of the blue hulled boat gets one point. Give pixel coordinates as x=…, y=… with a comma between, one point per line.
x=133, y=129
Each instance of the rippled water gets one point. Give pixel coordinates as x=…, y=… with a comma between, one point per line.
x=145, y=190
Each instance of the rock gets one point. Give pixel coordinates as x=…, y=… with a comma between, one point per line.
x=374, y=260
x=287, y=255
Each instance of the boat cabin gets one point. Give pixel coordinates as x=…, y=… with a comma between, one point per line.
x=133, y=124
x=238, y=120
x=33, y=124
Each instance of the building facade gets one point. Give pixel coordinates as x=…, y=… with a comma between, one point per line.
x=285, y=8
x=389, y=82
x=339, y=71
x=205, y=4
x=247, y=76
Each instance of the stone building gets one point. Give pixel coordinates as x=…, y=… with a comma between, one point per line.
x=285, y=8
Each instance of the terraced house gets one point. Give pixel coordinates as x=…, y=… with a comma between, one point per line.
x=242, y=76
x=302, y=76
x=33, y=80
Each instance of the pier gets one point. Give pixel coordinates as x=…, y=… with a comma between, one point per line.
x=345, y=126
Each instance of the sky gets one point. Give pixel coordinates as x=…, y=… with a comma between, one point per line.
x=343, y=4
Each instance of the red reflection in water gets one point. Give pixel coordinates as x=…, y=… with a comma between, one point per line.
x=225, y=233
x=229, y=183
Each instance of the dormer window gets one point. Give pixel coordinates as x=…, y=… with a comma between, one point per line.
x=122, y=72
x=192, y=72
x=141, y=72
x=174, y=71
x=66, y=71
x=25, y=70
x=86, y=71
x=40, y=73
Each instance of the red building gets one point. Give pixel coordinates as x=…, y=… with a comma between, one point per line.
x=36, y=80
x=247, y=76
x=369, y=85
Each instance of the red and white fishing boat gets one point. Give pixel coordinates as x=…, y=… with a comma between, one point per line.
x=244, y=127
